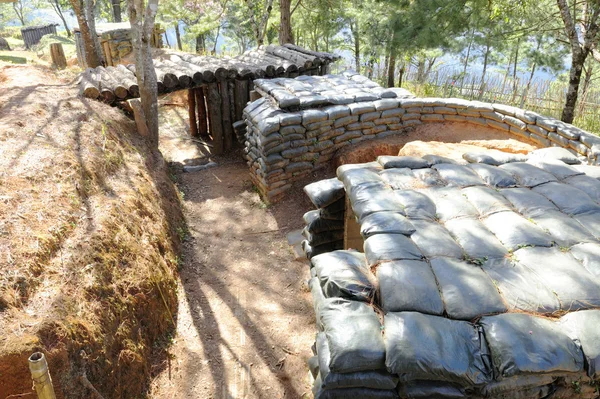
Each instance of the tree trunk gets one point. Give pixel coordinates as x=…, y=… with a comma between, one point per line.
x=91, y=21
x=568, y=113
x=116, y=10
x=214, y=50
x=142, y=27
x=285, y=22
x=516, y=61
x=401, y=74
x=356, y=36
x=178, y=36
x=420, y=70
x=92, y=58
x=464, y=74
x=19, y=11
x=381, y=73
x=370, y=68
x=200, y=44
x=391, y=70
x=485, y=62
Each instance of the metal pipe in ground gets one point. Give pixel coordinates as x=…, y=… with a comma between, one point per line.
x=40, y=374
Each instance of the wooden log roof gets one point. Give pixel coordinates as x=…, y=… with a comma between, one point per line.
x=180, y=71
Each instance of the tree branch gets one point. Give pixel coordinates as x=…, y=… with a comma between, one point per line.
x=570, y=30
x=295, y=7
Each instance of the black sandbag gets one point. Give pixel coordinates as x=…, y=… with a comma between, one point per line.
x=344, y=274
x=556, y=153
x=430, y=390
x=475, y=239
x=369, y=199
x=528, y=203
x=399, y=178
x=416, y=205
x=467, y=291
x=567, y=198
x=354, y=336
x=362, y=393
x=521, y=387
x=493, y=176
x=385, y=223
x=386, y=247
x=558, y=168
x=521, y=288
x=514, y=231
x=328, y=215
x=575, y=287
x=376, y=379
x=458, y=175
x=335, y=207
x=434, y=240
x=316, y=224
x=523, y=344
x=424, y=347
x=358, y=175
x=450, y=203
x=564, y=230
x=317, y=299
x=527, y=175
x=589, y=256
x=388, y=162
x=436, y=159
x=583, y=327
x=409, y=285
x=486, y=200
x=325, y=192
x=311, y=251
x=325, y=237
x=587, y=184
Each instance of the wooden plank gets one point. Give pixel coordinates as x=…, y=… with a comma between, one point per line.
x=107, y=53
x=214, y=113
x=201, y=107
x=352, y=237
x=241, y=97
x=58, y=55
x=192, y=113
x=226, y=115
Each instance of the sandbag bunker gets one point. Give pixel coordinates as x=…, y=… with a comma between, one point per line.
x=478, y=280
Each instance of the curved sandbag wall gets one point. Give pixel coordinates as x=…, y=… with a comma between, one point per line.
x=293, y=131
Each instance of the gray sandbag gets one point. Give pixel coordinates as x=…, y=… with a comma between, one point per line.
x=409, y=285
x=575, y=287
x=521, y=288
x=376, y=379
x=358, y=174
x=317, y=299
x=369, y=199
x=313, y=366
x=450, y=203
x=589, y=170
x=475, y=239
x=564, y=230
x=325, y=237
x=587, y=184
x=430, y=390
x=399, y=178
x=385, y=247
x=493, y=176
x=522, y=344
x=567, y=198
x=486, y=200
x=589, y=256
x=493, y=159
x=584, y=327
x=467, y=291
x=555, y=153
x=389, y=162
x=514, y=231
x=591, y=222
x=416, y=205
x=458, y=175
x=344, y=274
x=346, y=393
x=325, y=192
x=436, y=159
x=526, y=174
x=558, y=168
x=434, y=240
x=316, y=224
x=354, y=336
x=428, y=178
x=385, y=223
x=424, y=347
x=528, y=203
x=520, y=387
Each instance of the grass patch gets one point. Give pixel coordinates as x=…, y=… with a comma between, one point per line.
x=12, y=59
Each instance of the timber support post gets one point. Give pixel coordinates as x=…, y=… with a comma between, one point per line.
x=58, y=55
x=192, y=112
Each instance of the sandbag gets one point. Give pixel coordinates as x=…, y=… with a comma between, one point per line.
x=424, y=347
x=590, y=221
x=521, y=387
x=386, y=247
x=466, y=290
x=325, y=192
x=362, y=393
x=493, y=176
x=430, y=390
x=428, y=177
x=311, y=251
x=408, y=285
x=589, y=256
x=567, y=198
x=385, y=223
x=317, y=299
x=399, y=178
x=335, y=207
x=402, y=162
x=564, y=230
x=313, y=366
x=457, y=175
x=316, y=224
x=555, y=153
x=558, y=168
x=450, y=203
x=325, y=237
x=437, y=159
x=354, y=336
x=514, y=231
x=486, y=200
x=344, y=274
x=587, y=184
x=527, y=175
x=368, y=199
x=358, y=175
x=475, y=239
x=434, y=240
x=416, y=205
x=376, y=379
x=522, y=344
x=584, y=327
x=528, y=203
x=494, y=159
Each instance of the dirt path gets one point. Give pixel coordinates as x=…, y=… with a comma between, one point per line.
x=245, y=323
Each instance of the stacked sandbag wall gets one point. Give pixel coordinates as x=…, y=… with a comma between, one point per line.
x=118, y=43
x=284, y=146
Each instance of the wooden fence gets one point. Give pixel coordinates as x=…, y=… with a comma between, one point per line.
x=33, y=34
